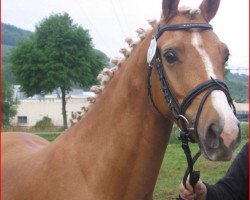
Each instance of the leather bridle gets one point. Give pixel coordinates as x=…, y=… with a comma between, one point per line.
x=178, y=110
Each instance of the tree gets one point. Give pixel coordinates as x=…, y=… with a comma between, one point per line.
x=8, y=103
x=60, y=54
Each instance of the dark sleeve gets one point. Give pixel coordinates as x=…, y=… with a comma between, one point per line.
x=234, y=185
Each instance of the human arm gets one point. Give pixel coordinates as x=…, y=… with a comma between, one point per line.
x=233, y=186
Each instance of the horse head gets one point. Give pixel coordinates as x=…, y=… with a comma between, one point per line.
x=193, y=61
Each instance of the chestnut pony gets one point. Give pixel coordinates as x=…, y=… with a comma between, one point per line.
x=115, y=151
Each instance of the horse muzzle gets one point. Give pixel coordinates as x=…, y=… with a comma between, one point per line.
x=218, y=144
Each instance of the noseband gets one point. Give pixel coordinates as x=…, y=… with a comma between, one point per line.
x=178, y=110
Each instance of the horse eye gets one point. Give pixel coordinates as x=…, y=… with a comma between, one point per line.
x=171, y=57
x=226, y=57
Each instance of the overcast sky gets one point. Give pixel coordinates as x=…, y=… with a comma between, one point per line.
x=111, y=21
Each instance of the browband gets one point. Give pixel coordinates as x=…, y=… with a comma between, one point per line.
x=203, y=26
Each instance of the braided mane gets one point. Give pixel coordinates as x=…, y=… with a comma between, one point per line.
x=107, y=73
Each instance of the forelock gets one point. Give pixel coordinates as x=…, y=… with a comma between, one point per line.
x=190, y=12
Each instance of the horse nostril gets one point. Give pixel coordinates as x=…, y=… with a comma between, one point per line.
x=213, y=139
x=238, y=139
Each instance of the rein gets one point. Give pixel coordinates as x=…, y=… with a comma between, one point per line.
x=178, y=110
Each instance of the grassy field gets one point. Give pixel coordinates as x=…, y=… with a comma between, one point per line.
x=174, y=166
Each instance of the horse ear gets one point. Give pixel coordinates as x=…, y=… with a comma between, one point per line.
x=209, y=8
x=169, y=8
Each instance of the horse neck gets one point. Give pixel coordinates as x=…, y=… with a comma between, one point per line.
x=122, y=138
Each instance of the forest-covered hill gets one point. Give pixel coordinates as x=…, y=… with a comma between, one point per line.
x=11, y=35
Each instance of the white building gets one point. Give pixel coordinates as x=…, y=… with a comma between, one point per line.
x=33, y=109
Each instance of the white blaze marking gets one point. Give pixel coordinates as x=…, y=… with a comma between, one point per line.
x=221, y=105
x=219, y=100
x=197, y=43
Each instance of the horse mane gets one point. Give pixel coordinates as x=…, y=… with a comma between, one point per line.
x=191, y=13
x=107, y=73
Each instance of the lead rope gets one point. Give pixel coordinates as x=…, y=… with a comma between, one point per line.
x=194, y=175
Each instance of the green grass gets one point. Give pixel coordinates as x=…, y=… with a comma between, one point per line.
x=174, y=165
x=244, y=130
x=50, y=136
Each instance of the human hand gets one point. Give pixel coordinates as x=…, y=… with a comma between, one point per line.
x=198, y=193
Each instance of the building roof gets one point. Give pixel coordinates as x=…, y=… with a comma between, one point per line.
x=73, y=94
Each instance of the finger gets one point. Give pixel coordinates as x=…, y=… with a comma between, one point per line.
x=199, y=185
x=200, y=188
x=186, y=194
x=184, y=189
x=189, y=187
